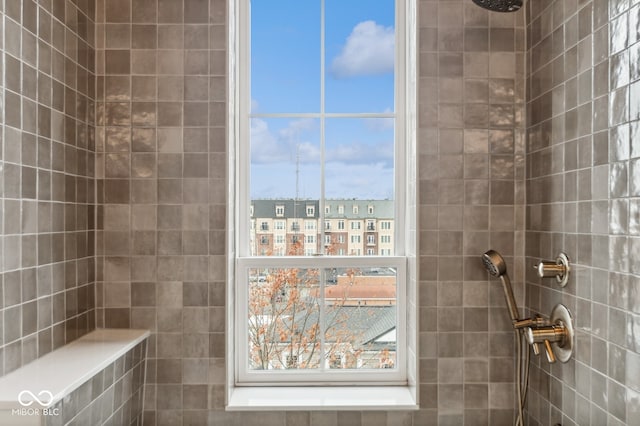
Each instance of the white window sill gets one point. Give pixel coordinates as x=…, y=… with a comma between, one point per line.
x=322, y=398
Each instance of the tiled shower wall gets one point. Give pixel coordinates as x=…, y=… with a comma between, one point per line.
x=162, y=192
x=47, y=164
x=583, y=184
x=471, y=171
x=161, y=154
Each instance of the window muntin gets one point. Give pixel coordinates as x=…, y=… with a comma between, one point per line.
x=330, y=122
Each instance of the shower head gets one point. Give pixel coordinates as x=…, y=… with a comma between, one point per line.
x=496, y=266
x=494, y=263
x=500, y=5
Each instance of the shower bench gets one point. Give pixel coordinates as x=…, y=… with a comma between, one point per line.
x=93, y=380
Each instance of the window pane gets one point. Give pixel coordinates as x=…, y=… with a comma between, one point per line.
x=285, y=186
x=285, y=158
x=360, y=312
x=283, y=319
x=360, y=159
x=285, y=56
x=359, y=56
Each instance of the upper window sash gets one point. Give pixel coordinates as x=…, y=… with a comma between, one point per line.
x=243, y=240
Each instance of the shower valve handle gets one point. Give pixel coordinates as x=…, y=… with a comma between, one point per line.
x=548, y=351
x=546, y=335
x=547, y=268
x=559, y=269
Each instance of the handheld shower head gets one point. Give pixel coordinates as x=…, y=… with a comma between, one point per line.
x=500, y=5
x=494, y=263
x=497, y=267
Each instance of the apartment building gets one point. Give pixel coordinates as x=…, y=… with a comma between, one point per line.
x=282, y=227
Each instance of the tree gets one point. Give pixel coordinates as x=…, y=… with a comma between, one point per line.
x=284, y=321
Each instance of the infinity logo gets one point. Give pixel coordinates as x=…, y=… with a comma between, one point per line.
x=28, y=402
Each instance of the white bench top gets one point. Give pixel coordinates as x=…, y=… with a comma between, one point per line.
x=68, y=367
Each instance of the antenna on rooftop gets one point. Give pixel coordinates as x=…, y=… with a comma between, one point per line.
x=297, y=171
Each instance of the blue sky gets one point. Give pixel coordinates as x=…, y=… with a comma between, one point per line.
x=285, y=72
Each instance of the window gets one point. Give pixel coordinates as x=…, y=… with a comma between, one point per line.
x=386, y=225
x=370, y=252
x=371, y=239
x=309, y=225
x=371, y=226
x=279, y=239
x=385, y=239
x=264, y=226
x=327, y=209
x=370, y=209
x=264, y=240
x=327, y=225
x=279, y=225
x=300, y=103
x=327, y=239
x=292, y=361
x=335, y=361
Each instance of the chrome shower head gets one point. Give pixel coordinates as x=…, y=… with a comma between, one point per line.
x=494, y=263
x=500, y=5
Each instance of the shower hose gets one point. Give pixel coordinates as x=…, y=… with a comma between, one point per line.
x=522, y=374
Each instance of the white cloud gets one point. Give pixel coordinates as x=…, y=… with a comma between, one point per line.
x=362, y=181
x=360, y=153
x=264, y=144
x=269, y=146
x=369, y=50
x=255, y=106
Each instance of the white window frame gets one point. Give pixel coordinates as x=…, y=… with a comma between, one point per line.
x=392, y=396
